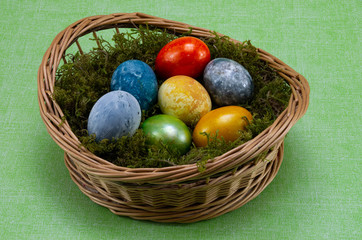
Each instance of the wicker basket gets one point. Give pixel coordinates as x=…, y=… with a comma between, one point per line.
x=169, y=194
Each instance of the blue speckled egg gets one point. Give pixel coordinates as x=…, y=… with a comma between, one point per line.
x=137, y=78
x=114, y=115
x=228, y=82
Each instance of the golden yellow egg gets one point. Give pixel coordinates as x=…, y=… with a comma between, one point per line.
x=226, y=122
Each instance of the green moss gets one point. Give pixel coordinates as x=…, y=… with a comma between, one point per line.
x=85, y=78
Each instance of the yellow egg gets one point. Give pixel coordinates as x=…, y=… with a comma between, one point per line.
x=185, y=98
x=225, y=122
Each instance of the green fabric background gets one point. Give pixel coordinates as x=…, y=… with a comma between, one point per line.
x=317, y=192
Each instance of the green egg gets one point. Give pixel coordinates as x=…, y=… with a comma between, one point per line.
x=168, y=131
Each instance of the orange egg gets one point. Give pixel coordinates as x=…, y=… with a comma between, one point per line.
x=185, y=98
x=227, y=122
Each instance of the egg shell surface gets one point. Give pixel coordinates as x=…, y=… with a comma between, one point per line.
x=171, y=131
x=185, y=98
x=114, y=115
x=226, y=122
x=137, y=78
x=183, y=56
x=228, y=82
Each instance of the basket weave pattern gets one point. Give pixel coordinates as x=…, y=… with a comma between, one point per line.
x=171, y=194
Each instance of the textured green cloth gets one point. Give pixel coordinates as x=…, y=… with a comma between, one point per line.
x=317, y=192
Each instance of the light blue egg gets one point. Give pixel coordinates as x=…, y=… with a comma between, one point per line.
x=228, y=82
x=137, y=78
x=114, y=115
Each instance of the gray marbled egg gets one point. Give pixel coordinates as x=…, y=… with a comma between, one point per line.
x=114, y=115
x=228, y=82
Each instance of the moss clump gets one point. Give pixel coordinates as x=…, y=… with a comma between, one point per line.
x=85, y=78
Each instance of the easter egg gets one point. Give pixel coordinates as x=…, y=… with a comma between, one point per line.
x=182, y=56
x=114, y=115
x=225, y=122
x=138, y=79
x=228, y=82
x=184, y=98
x=169, y=131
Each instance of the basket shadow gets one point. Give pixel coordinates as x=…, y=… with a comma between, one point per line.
x=74, y=208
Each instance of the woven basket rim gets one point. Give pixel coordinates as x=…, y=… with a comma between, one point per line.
x=52, y=114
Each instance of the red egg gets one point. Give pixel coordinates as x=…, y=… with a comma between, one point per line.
x=183, y=56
